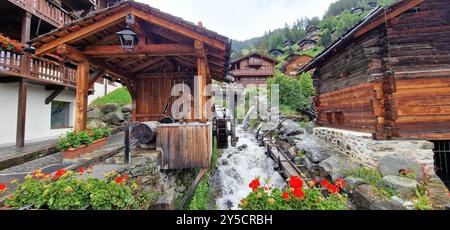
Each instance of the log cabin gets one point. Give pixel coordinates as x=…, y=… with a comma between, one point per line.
x=253, y=69
x=294, y=63
x=160, y=52
x=306, y=44
x=47, y=88
x=313, y=33
x=390, y=76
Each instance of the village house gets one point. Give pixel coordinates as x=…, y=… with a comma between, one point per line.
x=389, y=76
x=294, y=63
x=276, y=52
x=313, y=33
x=306, y=44
x=38, y=102
x=253, y=68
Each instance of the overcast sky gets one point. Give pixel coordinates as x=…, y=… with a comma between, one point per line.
x=242, y=19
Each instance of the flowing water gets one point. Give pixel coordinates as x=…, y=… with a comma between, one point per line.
x=236, y=169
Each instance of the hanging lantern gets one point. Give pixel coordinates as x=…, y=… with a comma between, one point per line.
x=127, y=37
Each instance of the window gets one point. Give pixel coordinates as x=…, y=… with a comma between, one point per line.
x=60, y=115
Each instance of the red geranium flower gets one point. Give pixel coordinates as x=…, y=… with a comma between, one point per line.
x=296, y=183
x=125, y=177
x=254, y=185
x=81, y=170
x=2, y=187
x=60, y=173
x=299, y=193
x=315, y=181
x=119, y=180
x=340, y=183
x=286, y=196
x=266, y=188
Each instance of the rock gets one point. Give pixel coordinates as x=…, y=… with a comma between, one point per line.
x=353, y=182
x=298, y=160
x=224, y=162
x=403, y=185
x=318, y=155
x=127, y=109
x=427, y=145
x=115, y=118
x=242, y=147
x=391, y=165
x=108, y=108
x=336, y=165
x=93, y=114
x=407, y=204
x=363, y=198
x=291, y=128
x=308, y=165
x=309, y=127
x=96, y=123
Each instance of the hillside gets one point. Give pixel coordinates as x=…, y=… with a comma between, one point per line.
x=337, y=20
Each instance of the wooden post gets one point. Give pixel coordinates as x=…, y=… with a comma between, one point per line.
x=200, y=99
x=26, y=27
x=21, y=112
x=23, y=84
x=82, y=96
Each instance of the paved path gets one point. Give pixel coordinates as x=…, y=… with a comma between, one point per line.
x=11, y=151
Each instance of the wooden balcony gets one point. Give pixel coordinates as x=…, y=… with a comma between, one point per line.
x=252, y=72
x=255, y=62
x=46, y=10
x=39, y=70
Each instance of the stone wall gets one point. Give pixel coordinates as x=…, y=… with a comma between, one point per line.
x=362, y=147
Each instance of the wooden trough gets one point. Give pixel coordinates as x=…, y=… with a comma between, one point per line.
x=185, y=146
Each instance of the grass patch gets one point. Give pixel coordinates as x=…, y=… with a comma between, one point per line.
x=203, y=193
x=423, y=203
x=287, y=111
x=373, y=178
x=120, y=96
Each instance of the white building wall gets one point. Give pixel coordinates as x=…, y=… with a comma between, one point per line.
x=37, y=116
x=99, y=90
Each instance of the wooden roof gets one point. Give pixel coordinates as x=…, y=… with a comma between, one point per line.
x=168, y=41
x=254, y=54
x=376, y=18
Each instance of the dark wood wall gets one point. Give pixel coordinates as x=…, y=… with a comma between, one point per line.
x=419, y=54
x=396, y=77
x=154, y=93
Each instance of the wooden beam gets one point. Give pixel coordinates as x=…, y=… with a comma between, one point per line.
x=144, y=65
x=21, y=112
x=95, y=76
x=71, y=53
x=82, y=96
x=200, y=80
x=394, y=13
x=152, y=19
x=149, y=50
x=52, y=96
x=83, y=32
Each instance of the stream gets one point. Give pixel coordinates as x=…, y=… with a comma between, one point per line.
x=236, y=169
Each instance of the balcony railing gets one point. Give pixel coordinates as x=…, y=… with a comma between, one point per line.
x=255, y=62
x=39, y=69
x=252, y=72
x=50, y=12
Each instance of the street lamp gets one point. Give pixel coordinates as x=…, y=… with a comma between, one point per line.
x=127, y=37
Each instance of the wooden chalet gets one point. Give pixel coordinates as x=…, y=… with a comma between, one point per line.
x=23, y=20
x=313, y=33
x=390, y=74
x=168, y=51
x=276, y=52
x=294, y=63
x=306, y=44
x=253, y=69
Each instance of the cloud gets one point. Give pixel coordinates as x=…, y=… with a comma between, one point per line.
x=242, y=19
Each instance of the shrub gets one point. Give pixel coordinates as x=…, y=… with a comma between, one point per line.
x=373, y=178
x=296, y=197
x=77, y=139
x=66, y=191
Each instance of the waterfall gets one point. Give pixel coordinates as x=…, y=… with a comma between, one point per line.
x=236, y=169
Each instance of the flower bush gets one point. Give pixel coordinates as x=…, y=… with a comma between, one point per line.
x=78, y=139
x=9, y=44
x=65, y=190
x=298, y=196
